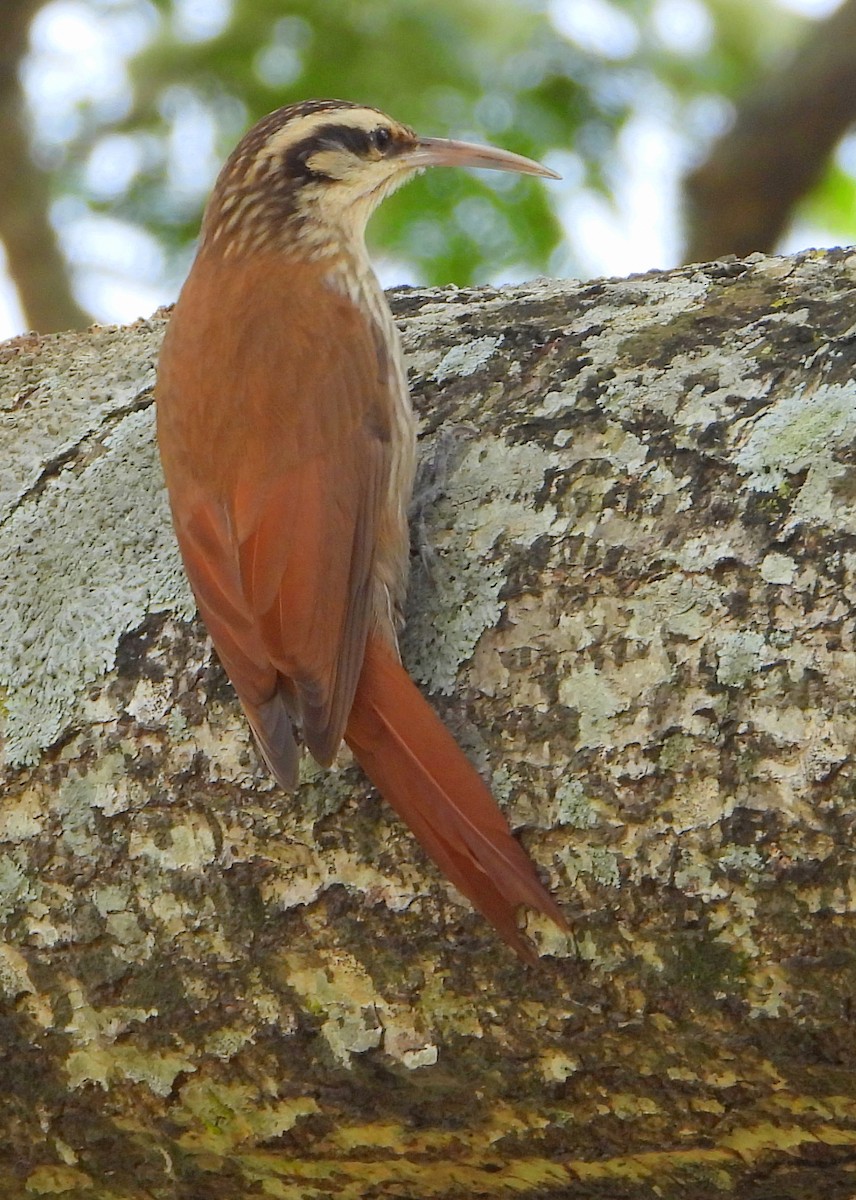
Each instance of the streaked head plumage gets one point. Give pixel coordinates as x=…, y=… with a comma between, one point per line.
x=322, y=162
x=309, y=176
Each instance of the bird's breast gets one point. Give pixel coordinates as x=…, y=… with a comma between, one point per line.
x=355, y=279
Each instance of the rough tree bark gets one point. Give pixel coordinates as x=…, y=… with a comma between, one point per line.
x=634, y=598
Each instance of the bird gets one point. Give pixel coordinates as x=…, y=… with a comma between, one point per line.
x=288, y=445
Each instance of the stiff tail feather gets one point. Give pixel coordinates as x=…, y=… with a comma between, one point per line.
x=273, y=729
x=419, y=769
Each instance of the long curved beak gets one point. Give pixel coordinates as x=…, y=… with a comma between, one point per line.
x=443, y=152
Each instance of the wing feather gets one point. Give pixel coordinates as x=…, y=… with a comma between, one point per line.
x=276, y=484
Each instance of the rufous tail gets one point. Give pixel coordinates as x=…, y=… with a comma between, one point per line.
x=418, y=767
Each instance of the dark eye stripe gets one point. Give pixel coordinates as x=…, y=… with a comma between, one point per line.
x=328, y=137
x=358, y=141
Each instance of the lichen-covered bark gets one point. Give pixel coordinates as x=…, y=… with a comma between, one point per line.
x=633, y=599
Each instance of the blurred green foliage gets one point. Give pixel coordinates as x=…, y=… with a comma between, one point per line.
x=520, y=73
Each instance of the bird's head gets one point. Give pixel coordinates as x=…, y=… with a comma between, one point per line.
x=310, y=175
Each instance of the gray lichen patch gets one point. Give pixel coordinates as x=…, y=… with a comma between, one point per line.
x=490, y=497
x=466, y=358
x=57, y=392
x=800, y=431
x=81, y=564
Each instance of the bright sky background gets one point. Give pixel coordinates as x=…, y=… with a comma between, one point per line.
x=77, y=53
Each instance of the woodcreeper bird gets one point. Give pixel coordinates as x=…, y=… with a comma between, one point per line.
x=288, y=444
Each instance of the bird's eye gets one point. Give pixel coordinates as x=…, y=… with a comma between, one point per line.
x=381, y=138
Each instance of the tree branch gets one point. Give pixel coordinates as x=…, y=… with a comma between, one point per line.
x=640, y=520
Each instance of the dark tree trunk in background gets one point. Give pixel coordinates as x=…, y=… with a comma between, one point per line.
x=742, y=197
x=35, y=262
